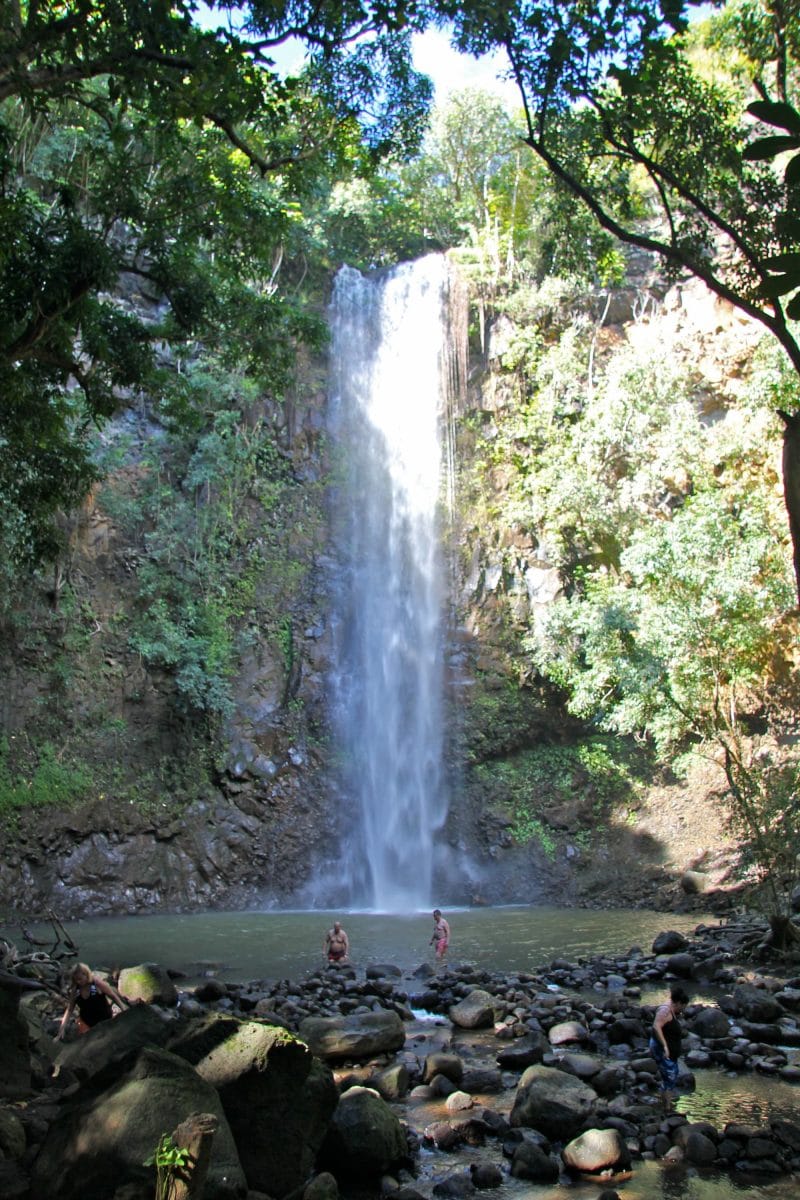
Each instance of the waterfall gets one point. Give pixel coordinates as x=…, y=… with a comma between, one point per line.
x=387, y=411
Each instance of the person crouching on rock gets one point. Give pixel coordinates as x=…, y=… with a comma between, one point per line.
x=92, y=997
x=665, y=1042
x=337, y=944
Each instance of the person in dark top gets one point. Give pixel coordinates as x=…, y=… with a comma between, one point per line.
x=92, y=997
x=665, y=1042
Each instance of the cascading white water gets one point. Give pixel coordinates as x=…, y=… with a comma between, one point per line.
x=386, y=402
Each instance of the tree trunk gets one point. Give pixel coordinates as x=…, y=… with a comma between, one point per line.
x=784, y=934
x=791, y=484
x=195, y=1134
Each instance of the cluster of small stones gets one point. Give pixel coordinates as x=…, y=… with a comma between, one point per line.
x=550, y=1018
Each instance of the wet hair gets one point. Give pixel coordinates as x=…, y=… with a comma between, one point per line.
x=80, y=969
x=679, y=994
x=437, y=912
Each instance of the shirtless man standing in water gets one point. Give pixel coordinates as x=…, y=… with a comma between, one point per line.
x=441, y=934
x=337, y=944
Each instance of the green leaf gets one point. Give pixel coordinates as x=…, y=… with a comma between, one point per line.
x=773, y=112
x=768, y=147
x=779, y=285
x=790, y=261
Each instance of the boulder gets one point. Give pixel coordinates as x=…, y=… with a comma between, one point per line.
x=567, y=1031
x=711, y=1022
x=533, y=1163
x=15, y=1059
x=694, y=883
x=482, y=1079
x=596, y=1150
x=582, y=1065
x=475, y=1011
x=669, y=942
x=681, y=964
x=357, y=1035
x=699, y=1149
x=267, y=1080
x=113, y=1041
x=365, y=1137
x=626, y=1031
x=149, y=982
x=104, y=1134
x=754, y=1004
x=392, y=1083
x=485, y=1175
x=458, y=1102
x=555, y=1103
x=523, y=1052
x=449, y=1065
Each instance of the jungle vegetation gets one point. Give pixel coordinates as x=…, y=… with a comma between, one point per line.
x=173, y=204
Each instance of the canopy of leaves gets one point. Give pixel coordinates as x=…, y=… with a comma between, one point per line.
x=152, y=178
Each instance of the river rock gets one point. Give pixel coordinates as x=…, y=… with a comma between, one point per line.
x=531, y=1162
x=755, y=1005
x=681, y=964
x=454, y=1186
x=449, y=1065
x=596, y=1150
x=365, y=1137
x=555, y=1103
x=266, y=1079
x=392, y=1083
x=458, y=1102
x=625, y=1031
x=711, y=1022
x=105, y=1134
x=582, y=1065
x=567, y=1031
x=669, y=942
x=148, y=982
x=475, y=1011
x=524, y=1051
x=358, y=1035
x=112, y=1041
x=485, y=1175
x=698, y=1148
x=482, y=1079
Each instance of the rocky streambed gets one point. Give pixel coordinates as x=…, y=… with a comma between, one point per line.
x=375, y=1083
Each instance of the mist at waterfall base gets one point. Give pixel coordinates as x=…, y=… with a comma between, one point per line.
x=388, y=330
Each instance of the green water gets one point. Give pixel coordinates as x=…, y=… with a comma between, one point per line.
x=285, y=945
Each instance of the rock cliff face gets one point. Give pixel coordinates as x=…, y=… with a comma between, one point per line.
x=160, y=811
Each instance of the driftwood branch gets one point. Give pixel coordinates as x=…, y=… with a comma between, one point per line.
x=194, y=1135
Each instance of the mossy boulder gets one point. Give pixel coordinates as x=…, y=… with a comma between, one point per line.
x=277, y=1097
x=106, y=1132
x=149, y=982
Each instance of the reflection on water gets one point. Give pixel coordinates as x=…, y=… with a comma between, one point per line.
x=286, y=945
x=750, y=1099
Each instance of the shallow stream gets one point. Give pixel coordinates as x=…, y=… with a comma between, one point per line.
x=286, y=945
